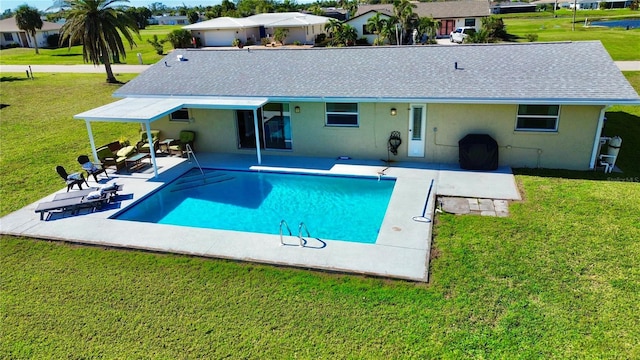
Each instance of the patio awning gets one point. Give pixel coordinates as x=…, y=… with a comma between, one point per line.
x=145, y=110
x=148, y=109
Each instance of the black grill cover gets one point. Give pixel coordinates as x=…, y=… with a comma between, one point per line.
x=478, y=152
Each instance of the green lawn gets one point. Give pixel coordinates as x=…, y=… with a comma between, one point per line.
x=559, y=278
x=620, y=43
x=73, y=56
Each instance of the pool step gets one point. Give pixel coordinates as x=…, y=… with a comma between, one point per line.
x=201, y=182
x=199, y=177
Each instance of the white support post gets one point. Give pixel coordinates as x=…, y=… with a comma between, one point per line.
x=92, y=141
x=152, y=150
x=257, y=132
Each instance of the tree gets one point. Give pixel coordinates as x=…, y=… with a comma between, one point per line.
x=341, y=34
x=100, y=27
x=403, y=11
x=429, y=26
x=375, y=24
x=141, y=15
x=193, y=17
x=28, y=19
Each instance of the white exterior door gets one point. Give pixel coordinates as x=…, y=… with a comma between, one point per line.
x=417, y=125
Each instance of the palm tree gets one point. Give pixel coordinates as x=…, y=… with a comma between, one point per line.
x=375, y=24
x=429, y=26
x=100, y=28
x=28, y=19
x=403, y=11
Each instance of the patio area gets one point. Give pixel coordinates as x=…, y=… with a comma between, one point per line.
x=401, y=251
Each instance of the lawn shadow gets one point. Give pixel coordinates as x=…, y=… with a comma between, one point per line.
x=67, y=55
x=11, y=78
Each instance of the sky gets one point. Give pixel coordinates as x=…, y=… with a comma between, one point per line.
x=44, y=4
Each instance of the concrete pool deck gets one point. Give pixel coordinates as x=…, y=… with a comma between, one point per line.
x=401, y=250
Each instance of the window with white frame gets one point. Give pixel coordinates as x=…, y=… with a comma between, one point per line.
x=469, y=22
x=537, y=117
x=8, y=37
x=342, y=114
x=180, y=115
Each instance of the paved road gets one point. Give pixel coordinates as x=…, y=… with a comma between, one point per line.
x=133, y=69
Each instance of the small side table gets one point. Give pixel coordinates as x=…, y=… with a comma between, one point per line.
x=164, y=145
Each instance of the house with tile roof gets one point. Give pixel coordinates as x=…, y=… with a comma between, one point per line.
x=10, y=34
x=451, y=14
x=222, y=31
x=334, y=102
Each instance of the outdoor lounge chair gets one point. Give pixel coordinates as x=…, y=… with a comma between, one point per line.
x=91, y=200
x=71, y=179
x=92, y=169
x=114, y=154
x=110, y=190
x=180, y=146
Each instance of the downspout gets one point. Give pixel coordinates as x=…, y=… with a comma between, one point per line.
x=596, y=142
x=152, y=149
x=257, y=133
x=92, y=141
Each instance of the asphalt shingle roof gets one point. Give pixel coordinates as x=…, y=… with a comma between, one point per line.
x=571, y=72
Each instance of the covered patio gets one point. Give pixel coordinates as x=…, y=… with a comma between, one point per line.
x=145, y=110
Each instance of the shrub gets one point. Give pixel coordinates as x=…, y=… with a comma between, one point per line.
x=236, y=43
x=180, y=38
x=531, y=37
x=53, y=41
x=250, y=42
x=280, y=35
x=320, y=38
x=362, y=41
x=297, y=43
x=265, y=41
x=157, y=44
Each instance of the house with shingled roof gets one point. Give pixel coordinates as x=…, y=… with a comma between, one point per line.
x=11, y=35
x=346, y=102
x=450, y=14
x=222, y=31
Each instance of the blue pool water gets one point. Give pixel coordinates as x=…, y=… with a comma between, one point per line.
x=332, y=207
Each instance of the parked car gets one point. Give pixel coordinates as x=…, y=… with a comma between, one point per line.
x=461, y=33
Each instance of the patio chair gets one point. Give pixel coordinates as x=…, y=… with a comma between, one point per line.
x=71, y=179
x=92, y=169
x=114, y=154
x=180, y=146
x=143, y=144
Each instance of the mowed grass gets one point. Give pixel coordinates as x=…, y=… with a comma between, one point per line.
x=38, y=131
x=622, y=45
x=73, y=56
x=559, y=278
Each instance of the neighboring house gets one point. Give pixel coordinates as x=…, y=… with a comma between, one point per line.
x=169, y=20
x=332, y=102
x=223, y=30
x=10, y=34
x=509, y=7
x=451, y=14
x=359, y=22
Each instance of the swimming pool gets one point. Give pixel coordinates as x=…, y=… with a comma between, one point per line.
x=332, y=207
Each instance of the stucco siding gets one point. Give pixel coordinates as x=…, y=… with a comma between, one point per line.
x=570, y=147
